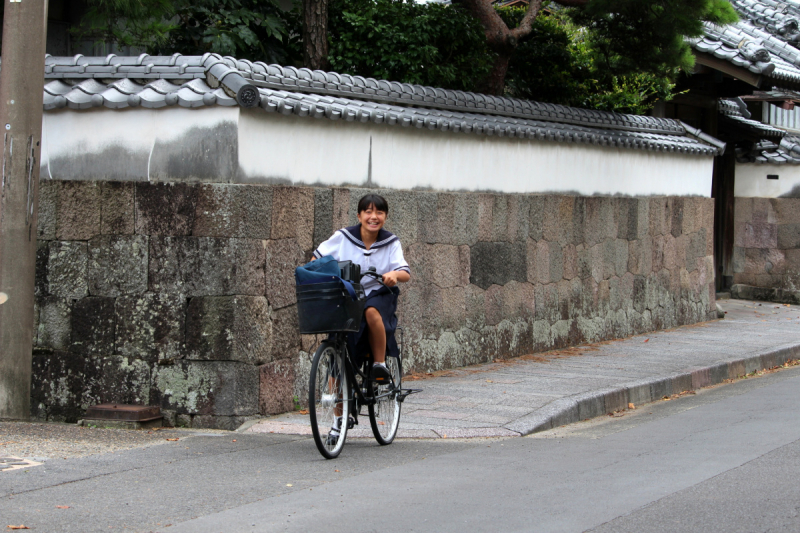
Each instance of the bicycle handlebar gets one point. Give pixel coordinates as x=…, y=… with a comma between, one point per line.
x=377, y=277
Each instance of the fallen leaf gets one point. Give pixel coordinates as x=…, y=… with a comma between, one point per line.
x=303, y=411
x=489, y=381
x=335, y=470
x=18, y=527
x=173, y=440
x=381, y=423
x=62, y=506
x=288, y=484
x=647, y=340
x=234, y=440
x=631, y=406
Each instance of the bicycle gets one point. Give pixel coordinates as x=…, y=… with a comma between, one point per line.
x=339, y=386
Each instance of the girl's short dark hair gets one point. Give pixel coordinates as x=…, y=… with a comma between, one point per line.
x=376, y=200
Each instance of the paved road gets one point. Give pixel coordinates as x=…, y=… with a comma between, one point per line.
x=526, y=394
x=725, y=459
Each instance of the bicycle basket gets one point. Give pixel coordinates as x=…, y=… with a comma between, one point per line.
x=327, y=307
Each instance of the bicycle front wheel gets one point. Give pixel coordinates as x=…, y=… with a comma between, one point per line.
x=384, y=414
x=328, y=399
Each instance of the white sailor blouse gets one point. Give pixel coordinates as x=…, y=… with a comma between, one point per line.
x=385, y=255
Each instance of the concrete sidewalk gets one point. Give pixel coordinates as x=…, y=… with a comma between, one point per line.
x=534, y=393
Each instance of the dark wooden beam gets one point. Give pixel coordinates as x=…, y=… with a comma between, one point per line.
x=727, y=68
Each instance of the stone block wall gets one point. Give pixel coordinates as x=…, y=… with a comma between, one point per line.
x=766, y=254
x=182, y=295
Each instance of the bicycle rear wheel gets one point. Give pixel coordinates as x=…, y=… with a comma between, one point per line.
x=384, y=414
x=328, y=398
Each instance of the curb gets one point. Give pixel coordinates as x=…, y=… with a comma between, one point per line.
x=601, y=402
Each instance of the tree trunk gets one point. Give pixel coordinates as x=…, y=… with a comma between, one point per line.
x=496, y=80
x=315, y=34
x=501, y=39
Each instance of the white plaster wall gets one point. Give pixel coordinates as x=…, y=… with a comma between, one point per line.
x=138, y=132
x=307, y=150
x=256, y=146
x=751, y=180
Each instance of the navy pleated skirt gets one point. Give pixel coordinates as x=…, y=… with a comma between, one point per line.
x=385, y=301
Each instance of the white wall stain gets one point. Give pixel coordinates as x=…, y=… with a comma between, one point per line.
x=45, y=152
x=150, y=157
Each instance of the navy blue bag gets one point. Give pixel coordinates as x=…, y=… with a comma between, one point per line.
x=324, y=269
x=323, y=304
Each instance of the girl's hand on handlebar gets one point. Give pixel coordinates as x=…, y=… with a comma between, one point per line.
x=390, y=279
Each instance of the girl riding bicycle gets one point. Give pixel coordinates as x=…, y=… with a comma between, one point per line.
x=369, y=245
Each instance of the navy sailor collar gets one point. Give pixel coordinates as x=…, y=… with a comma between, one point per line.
x=353, y=234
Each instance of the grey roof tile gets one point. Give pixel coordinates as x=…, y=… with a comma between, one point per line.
x=90, y=86
x=162, y=86
x=731, y=109
x=56, y=87
x=77, y=99
x=152, y=99
x=114, y=98
x=189, y=98
x=126, y=86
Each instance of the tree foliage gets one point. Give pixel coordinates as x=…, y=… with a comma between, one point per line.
x=647, y=36
x=429, y=44
x=617, y=55
x=630, y=35
x=250, y=29
x=557, y=63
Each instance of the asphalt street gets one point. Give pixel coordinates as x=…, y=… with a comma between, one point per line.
x=725, y=459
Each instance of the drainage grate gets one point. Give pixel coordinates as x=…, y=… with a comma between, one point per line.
x=124, y=412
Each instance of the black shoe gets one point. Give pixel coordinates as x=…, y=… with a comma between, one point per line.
x=333, y=434
x=332, y=440
x=333, y=437
x=380, y=374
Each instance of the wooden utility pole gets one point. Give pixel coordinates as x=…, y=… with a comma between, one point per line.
x=21, y=81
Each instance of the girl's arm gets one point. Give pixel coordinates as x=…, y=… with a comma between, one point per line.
x=392, y=278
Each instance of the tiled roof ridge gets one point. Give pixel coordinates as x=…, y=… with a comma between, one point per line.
x=733, y=44
x=240, y=74
x=734, y=109
x=768, y=152
x=384, y=91
x=211, y=67
x=765, y=41
x=778, y=17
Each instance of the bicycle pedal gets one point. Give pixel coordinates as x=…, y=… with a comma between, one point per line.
x=351, y=422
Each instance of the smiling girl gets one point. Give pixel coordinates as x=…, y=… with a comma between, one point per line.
x=369, y=245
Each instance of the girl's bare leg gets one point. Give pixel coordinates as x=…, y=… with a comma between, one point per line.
x=377, y=334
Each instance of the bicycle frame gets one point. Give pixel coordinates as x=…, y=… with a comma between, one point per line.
x=358, y=395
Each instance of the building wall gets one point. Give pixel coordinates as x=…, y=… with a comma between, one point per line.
x=767, y=248
x=752, y=181
x=181, y=294
x=234, y=145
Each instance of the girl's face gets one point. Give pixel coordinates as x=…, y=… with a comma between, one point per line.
x=371, y=219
